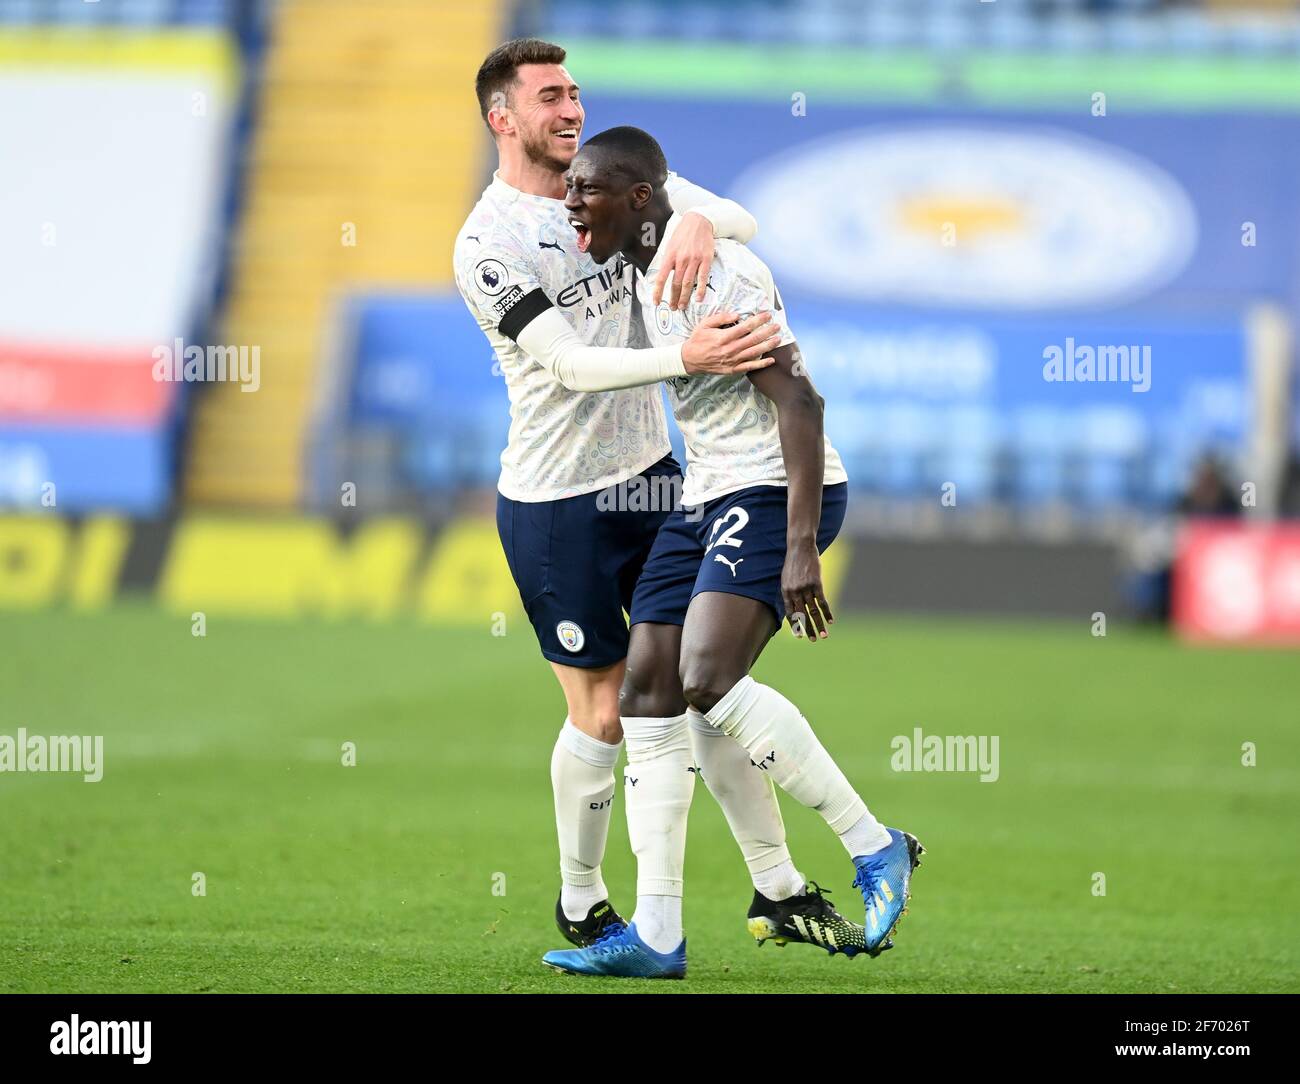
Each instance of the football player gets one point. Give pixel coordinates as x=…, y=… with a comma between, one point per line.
x=765, y=493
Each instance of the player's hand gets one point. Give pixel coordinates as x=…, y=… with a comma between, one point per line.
x=723, y=344
x=806, y=607
x=686, y=260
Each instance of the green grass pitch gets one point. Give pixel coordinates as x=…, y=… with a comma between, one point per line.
x=1119, y=755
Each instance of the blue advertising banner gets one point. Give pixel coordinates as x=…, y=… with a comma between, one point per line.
x=76, y=470
x=1091, y=411
x=1047, y=210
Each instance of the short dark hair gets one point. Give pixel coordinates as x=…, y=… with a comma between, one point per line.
x=632, y=152
x=500, y=70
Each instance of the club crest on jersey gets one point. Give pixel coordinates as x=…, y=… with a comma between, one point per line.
x=663, y=318
x=571, y=636
x=491, y=277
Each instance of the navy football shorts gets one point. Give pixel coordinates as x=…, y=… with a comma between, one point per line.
x=576, y=561
x=735, y=544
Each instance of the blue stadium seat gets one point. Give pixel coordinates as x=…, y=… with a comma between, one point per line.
x=1039, y=447
x=424, y=410
x=969, y=456
x=445, y=461
x=79, y=13
x=639, y=19
x=854, y=429
x=1169, y=465
x=1112, y=445
x=770, y=24
x=20, y=12
x=946, y=32
x=1009, y=29
x=1105, y=483
x=204, y=12
x=565, y=21
x=1070, y=26
x=1112, y=431
x=1191, y=32
x=1254, y=38
x=908, y=438
x=819, y=23
x=145, y=12
x=1133, y=33
x=717, y=24
x=1074, y=34
x=888, y=28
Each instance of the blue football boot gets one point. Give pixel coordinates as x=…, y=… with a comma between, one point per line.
x=884, y=879
x=620, y=953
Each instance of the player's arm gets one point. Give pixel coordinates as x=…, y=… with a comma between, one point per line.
x=719, y=345
x=500, y=286
x=745, y=284
x=689, y=253
x=726, y=217
x=803, y=448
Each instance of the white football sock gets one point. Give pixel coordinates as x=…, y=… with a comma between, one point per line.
x=780, y=741
x=657, y=786
x=749, y=803
x=865, y=836
x=658, y=921
x=780, y=882
x=582, y=777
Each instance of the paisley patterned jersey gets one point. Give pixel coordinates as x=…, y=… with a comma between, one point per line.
x=730, y=427
x=561, y=442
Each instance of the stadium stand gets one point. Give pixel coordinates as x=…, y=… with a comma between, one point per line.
x=363, y=159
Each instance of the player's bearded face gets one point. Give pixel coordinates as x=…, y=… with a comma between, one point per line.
x=548, y=115
x=539, y=145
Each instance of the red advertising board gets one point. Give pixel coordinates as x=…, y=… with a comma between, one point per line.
x=1238, y=582
x=62, y=385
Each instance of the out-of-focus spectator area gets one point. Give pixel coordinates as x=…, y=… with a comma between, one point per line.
x=1042, y=259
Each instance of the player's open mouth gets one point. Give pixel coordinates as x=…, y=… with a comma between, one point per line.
x=567, y=134
x=584, y=234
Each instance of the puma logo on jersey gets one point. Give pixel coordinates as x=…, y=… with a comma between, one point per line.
x=553, y=244
x=719, y=557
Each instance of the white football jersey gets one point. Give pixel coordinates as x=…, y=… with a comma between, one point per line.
x=561, y=442
x=730, y=427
